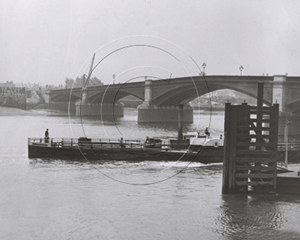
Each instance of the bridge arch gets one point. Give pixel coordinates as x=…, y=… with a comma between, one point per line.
x=65, y=98
x=110, y=97
x=187, y=93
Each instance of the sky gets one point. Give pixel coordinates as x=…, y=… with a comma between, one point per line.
x=47, y=41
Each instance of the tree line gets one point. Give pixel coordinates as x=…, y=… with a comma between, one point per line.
x=79, y=82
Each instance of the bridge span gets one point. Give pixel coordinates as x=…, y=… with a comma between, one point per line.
x=162, y=97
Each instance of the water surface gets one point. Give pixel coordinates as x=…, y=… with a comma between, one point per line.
x=118, y=200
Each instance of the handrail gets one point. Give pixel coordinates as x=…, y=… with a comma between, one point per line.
x=93, y=142
x=89, y=139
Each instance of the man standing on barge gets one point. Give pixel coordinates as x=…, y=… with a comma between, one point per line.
x=207, y=133
x=47, y=136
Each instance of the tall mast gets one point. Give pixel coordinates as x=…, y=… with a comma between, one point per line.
x=85, y=83
x=90, y=74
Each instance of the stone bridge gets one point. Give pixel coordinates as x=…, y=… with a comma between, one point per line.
x=162, y=97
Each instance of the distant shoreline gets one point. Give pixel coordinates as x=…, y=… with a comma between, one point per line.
x=7, y=111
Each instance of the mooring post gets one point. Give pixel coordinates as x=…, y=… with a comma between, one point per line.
x=180, y=122
x=260, y=95
x=226, y=186
x=274, y=126
x=260, y=98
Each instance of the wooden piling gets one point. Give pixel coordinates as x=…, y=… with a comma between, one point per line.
x=180, y=122
x=227, y=166
x=250, y=148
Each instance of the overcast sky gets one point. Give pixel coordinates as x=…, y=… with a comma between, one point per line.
x=51, y=40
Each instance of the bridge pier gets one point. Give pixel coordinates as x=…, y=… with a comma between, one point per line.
x=280, y=96
x=148, y=112
x=154, y=114
x=98, y=109
x=279, y=90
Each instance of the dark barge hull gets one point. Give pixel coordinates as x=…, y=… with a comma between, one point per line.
x=204, y=155
x=288, y=183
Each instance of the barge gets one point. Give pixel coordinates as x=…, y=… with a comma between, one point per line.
x=189, y=149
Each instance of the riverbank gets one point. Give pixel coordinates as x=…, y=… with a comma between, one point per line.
x=6, y=111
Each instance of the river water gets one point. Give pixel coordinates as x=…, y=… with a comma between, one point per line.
x=119, y=200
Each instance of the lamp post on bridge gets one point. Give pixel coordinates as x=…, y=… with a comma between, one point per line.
x=204, y=65
x=114, y=76
x=241, y=69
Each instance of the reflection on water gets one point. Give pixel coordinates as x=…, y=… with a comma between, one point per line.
x=251, y=217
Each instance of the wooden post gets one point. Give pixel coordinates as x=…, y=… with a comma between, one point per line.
x=286, y=140
x=232, y=148
x=243, y=115
x=180, y=122
x=260, y=95
x=274, y=132
x=226, y=156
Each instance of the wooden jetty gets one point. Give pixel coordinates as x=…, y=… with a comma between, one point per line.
x=250, y=151
x=250, y=147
